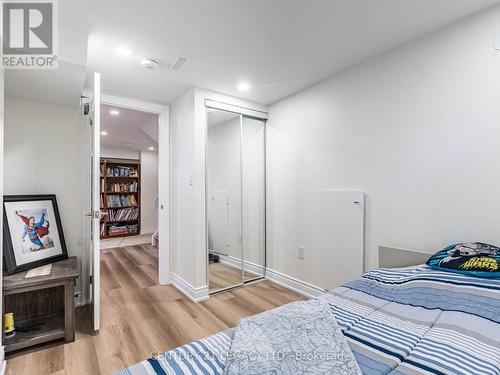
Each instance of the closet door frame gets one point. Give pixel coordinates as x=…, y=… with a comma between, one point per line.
x=243, y=112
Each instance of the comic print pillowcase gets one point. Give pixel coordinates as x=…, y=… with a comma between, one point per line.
x=476, y=259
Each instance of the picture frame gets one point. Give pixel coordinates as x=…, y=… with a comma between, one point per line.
x=32, y=232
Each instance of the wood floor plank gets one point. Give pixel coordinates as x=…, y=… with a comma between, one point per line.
x=143, y=254
x=82, y=358
x=222, y=276
x=108, y=280
x=151, y=270
x=203, y=317
x=139, y=317
x=134, y=271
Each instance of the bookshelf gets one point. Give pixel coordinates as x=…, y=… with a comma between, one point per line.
x=120, y=197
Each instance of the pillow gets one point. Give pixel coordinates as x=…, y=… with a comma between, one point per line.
x=476, y=259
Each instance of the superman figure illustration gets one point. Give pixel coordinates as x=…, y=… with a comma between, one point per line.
x=35, y=230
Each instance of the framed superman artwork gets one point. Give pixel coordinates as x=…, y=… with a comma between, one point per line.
x=33, y=234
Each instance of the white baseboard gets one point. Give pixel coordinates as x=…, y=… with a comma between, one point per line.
x=293, y=284
x=288, y=282
x=194, y=294
x=236, y=262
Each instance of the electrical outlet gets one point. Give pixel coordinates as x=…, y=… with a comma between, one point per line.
x=300, y=252
x=78, y=299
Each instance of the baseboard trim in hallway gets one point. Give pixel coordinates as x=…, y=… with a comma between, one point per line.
x=194, y=294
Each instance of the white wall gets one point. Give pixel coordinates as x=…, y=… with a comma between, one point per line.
x=182, y=210
x=119, y=153
x=149, y=191
x=43, y=154
x=417, y=129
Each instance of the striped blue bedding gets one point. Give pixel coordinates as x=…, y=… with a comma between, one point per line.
x=406, y=321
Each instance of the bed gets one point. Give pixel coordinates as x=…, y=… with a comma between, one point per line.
x=410, y=320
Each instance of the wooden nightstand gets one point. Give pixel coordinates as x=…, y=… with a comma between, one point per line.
x=46, y=301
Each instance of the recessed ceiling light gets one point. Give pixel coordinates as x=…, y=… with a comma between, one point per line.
x=114, y=112
x=243, y=86
x=104, y=132
x=151, y=148
x=123, y=51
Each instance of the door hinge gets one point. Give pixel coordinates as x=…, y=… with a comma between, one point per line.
x=94, y=214
x=91, y=279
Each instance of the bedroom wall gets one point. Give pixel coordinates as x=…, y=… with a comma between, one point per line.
x=43, y=151
x=182, y=188
x=417, y=129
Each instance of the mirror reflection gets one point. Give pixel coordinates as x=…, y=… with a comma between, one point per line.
x=235, y=177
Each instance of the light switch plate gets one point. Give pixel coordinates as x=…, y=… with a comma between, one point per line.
x=300, y=252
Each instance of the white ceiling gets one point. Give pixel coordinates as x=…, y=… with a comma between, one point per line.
x=131, y=129
x=279, y=46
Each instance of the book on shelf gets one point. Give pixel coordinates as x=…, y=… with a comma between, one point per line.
x=122, y=214
x=118, y=201
x=114, y=230
x=121, y=187
x=122, y=172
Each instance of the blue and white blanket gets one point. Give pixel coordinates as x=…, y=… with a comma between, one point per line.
x=405, y=321
x=298, y=338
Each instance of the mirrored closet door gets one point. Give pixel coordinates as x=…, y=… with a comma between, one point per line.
x=253, y=223
x=235, y=196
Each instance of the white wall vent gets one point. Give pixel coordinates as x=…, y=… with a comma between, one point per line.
x=179, y=63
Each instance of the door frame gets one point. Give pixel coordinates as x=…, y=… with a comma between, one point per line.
x=162, y=111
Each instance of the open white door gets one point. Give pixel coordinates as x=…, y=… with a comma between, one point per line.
x=95, y=214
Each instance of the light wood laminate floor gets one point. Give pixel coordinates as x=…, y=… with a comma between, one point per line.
x=221, y=276
x=139, y=316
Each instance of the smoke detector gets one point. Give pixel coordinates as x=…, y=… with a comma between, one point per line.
x=149, y=63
